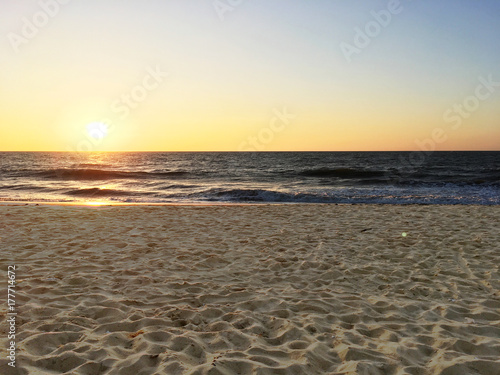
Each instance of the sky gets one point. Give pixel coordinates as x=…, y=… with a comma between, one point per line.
x=249, y=75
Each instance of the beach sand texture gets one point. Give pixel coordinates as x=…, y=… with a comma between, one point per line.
x=271, y=289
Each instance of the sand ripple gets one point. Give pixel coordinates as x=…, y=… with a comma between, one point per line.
x=302, y=289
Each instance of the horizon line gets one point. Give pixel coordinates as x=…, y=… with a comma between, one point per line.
x=244, y=152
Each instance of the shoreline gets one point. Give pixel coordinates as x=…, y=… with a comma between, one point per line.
x=224, y=204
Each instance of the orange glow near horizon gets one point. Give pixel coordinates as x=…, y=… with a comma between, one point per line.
x=183, y=79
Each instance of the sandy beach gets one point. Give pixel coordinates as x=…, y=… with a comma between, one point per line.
x=262, y=289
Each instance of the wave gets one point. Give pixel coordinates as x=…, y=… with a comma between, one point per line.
x=24, y=188
x=99, y=174
x=92, y=165
x=451, y=194
x=97, y=192
x=177, y=186
x=345, y=173
x=242, y=195
x=486, y=196
x=393, y=176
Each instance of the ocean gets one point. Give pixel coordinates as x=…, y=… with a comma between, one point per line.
x=235, y=177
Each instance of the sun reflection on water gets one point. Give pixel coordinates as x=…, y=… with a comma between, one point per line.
x=96, y=203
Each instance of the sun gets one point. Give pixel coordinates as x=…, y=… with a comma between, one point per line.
x=97, y=130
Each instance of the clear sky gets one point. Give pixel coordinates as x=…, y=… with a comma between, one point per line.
x=249, y=75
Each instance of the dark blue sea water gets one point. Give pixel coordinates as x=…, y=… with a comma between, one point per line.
x=293, y=177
